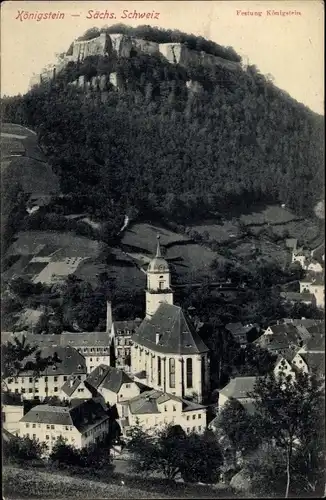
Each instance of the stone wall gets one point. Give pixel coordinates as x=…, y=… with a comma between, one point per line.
x=85, y=48
x=177, y=53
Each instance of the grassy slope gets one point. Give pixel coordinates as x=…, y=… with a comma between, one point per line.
x=33, y=483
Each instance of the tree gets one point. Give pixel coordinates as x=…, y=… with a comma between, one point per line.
x=171, y=452
x=289, y=415
x=240, y=427
x=22, y=449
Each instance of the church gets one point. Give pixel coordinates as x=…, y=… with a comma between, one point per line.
x=167, y=354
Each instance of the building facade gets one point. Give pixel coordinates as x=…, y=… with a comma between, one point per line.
x=167, y=353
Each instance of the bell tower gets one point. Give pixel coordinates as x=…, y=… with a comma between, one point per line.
x=158, y=282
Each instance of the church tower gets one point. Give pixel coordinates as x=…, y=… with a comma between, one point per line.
x=158, y=283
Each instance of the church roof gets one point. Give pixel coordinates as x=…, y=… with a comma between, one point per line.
x=177, y=334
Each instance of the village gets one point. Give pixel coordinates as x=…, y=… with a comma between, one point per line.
x=154, y=371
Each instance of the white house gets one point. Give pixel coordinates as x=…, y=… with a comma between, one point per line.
x=153, y=409
x=80, y=425
x=112, y=384
x=314, y=285
x=12, y=410
x=237, y=389
x=49, y=381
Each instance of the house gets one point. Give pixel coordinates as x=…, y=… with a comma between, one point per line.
x=80, y=425
x=122, y=332
x=304, y=322
x=113, y=384
x=294, y=297
x=300, y=256
x=241, y=332
x=12, y=410
x=314, y=285
x=74, y=388
x=310, y=362
x=49, y=381
x=153, y=409
x=279, y=338
x=284, y=363
x=237, y=389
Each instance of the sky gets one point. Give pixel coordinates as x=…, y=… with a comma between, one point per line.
x=288, y=47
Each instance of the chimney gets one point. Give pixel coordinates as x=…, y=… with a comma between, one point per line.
x=157, y=338
x=108, y=316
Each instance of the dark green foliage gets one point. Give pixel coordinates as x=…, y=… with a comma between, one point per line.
x=290, y=416
x=93, y=457
x=171, y=452
x=22, y=449
x=240, y=141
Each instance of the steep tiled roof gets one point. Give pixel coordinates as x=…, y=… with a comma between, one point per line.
x=148, y=402
x=123, y=327
x=297, y=296
x=306, y=322
x=177, y=334
x=284, y=328
x=70, y=386
x=315, y=361
x=238, y=387
x=70, y=361
x=109, y=378
x=82, y=339
x=81, y=416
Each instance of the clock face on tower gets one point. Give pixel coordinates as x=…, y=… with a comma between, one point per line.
x=161, y=268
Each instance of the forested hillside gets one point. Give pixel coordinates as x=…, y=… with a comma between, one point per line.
x=156, y=146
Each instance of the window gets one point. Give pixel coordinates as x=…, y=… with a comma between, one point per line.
x=55, y=389
x=189, y=372
x=67, y=428
x=91, y=359
x=30, y=390
x=34, y=436
x=193, y=417
x=159, y=375
x=56, y=379
x=127, y=386
x=199, y=415
x=22, y=380
x=165, y=408
x=97, y=359
x=188, y=417
x=174, y=408
x=34, y=425
x=161, y=285
x=172, y=372
x=199, y=427
x=47, y=437
x=45, y=379
x=16, y=391
x=48, y=427
x=27, y=425
x=65, y=378
x=30, y=379
x=52, y=426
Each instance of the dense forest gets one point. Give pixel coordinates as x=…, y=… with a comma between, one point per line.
x=155, y=146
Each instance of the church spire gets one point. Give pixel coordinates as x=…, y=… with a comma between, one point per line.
x=158, y=248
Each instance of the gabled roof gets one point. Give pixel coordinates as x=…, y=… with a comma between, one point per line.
x=109, y=378
x=150, y=401
x=306, y=322
x=177, y=333
x=284, y=328
x=76, y=340
x=298, y=296
x=81, y=416
x=70, y=386
x=122, y=327
x=71, y=361
x=238, y=387
x=315, y=361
